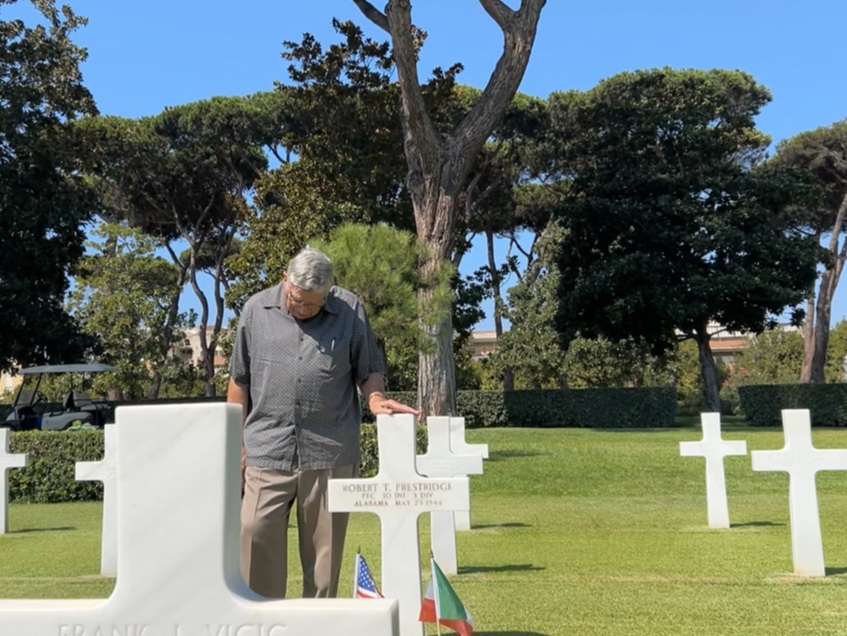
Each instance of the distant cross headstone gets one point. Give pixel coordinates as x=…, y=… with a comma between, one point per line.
x=459, y=445
x=441, y=461
x=178, y=524
x=398, y=495
x=7, y=460
x=714, y=449
x=802, y=461
x=104, y=471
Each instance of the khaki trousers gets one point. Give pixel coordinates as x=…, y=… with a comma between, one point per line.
x=265, y=509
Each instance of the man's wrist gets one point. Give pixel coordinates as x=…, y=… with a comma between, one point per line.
x=374, y=394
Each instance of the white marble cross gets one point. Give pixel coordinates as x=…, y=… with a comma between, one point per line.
x=399, y=495
x=714, y=449
x=104, y=471
x=459, y=445
x=178, y=483
x=7, y=460
x=802, y=461
x=441, y=461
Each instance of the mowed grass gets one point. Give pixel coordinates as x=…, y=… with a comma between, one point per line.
x=575, y=531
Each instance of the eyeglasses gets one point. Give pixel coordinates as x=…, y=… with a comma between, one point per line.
x=303, y=304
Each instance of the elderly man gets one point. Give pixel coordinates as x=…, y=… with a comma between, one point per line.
x=303, y=352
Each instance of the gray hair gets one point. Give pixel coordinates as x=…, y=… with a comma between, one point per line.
x=311, y=271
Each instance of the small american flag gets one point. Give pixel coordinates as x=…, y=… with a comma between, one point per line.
x=363, y=582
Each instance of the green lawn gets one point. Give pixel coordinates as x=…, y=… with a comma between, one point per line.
x=575, y=531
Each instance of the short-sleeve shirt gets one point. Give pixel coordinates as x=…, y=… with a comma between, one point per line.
x=305, y=411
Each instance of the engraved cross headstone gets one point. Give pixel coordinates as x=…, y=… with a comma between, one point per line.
x=714, y=449
x=398, y=495
x=459, y=445
x=178, y=524
x=104, y=471
x=7, y=460
x=802, y=461
x=441, y=461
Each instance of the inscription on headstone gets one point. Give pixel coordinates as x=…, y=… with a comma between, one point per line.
x=802, y=461
x=7, y=461
x=714, y=449
x=178, y=483
x=398, y=495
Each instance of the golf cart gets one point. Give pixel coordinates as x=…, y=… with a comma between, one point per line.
x=33, y=410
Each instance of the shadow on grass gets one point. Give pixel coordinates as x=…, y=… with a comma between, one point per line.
x=757, y=524
x=482, y=569
x=495, y=456
x=508, y=524
x=835, y=571
x=31, y=530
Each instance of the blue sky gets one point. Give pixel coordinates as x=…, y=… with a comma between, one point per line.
x=144, y=56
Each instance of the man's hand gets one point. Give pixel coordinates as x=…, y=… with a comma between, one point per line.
x=381, y=405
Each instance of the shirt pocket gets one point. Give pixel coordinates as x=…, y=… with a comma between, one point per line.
x=334, y=355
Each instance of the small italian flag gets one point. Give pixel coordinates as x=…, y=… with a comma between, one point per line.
x=441, y=605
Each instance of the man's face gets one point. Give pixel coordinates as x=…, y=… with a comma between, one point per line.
x=300, y=303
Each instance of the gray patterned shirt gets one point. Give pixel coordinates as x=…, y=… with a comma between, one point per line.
x=304, y=405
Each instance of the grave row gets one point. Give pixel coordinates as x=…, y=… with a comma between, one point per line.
x=799, y=458
x=177, y=522
x=194, y=588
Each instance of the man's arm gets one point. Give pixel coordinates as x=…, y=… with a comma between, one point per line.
x=373, y=390
x=240, y=394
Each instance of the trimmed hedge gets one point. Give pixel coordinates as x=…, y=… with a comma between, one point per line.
x=49, y=474
x=576, y=408
x=762, y=403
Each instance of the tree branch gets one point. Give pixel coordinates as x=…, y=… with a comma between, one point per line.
x=420, y=128
x=519, y=28
x=499, y=12
x=373, y=14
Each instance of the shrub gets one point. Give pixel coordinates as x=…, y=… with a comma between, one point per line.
x=49, y=473
x=579, y=408
x=762, y=403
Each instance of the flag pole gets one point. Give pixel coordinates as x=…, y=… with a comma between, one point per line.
x=432, y=576
x=356, y=572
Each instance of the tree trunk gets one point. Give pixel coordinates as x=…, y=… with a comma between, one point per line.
x=826, y=292
x=823, y=314
x=436, y=366
x=508, y=374
x=439, y=164
x=711, y=390
x=808, y=341
x=170, y=324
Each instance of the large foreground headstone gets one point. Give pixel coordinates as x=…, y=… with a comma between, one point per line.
x=105, y=471
x=441, y=461
x=802, y=461
x=7, y=460
x=460, y=446
x=178, y=499
x=398, y=495
x=714, y=449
